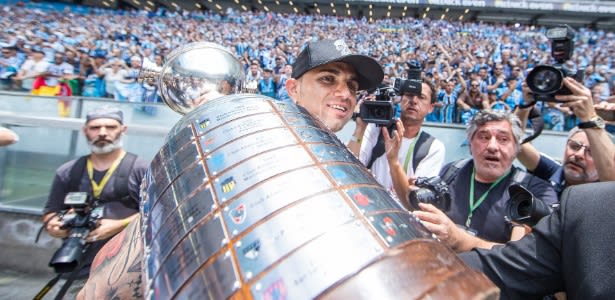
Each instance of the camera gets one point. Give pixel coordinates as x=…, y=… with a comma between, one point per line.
x=524, y=208
x=81, y=220
x=432, y=190
x=546, y=81
x=382, y=111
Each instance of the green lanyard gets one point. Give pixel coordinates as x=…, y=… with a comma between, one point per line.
x=475, y=205
x=410, y=152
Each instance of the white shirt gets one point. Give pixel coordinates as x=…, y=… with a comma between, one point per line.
x=428, y=167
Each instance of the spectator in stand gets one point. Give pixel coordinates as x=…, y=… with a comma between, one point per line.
x=9, y=65
x=472, y=101
x=253, y=76
x=266, y=86
x=508, y=95
x=128, y=89
x=33, y=67
x=282, y=93
x=498, y=79
x=447, y=97
x=112, y=72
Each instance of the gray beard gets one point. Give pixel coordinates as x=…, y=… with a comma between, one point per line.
x=108, y=148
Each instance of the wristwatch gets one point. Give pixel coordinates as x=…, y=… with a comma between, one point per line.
x=595, y=122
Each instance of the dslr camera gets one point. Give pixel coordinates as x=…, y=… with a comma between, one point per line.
x=81, y=220
x=524, y=208
x=382, y=111
x=545, y=81
x=432, y=190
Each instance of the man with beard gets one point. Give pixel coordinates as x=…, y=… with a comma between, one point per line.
x=109, y=175
x=589, y=155
x=479, y=187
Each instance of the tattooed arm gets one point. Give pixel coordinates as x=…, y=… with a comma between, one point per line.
x=116, y=269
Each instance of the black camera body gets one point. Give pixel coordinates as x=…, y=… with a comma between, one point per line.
x=432, y=190
x=524, y=208
x=80, y=222
x=382, y=111
x=546, y=81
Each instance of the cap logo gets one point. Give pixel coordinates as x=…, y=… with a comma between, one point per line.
x=341, y=46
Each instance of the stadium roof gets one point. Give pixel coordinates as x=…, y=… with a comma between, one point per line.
x=586, y=13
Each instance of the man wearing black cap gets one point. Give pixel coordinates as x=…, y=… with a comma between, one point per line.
x=326, y=77
x=109, y=175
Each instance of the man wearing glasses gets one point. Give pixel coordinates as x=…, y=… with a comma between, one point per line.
x=589, y=155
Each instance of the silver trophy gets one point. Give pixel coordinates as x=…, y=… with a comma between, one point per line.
x=253, y=198
x=194, y=74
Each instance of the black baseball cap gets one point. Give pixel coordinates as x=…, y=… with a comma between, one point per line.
x=369, y=71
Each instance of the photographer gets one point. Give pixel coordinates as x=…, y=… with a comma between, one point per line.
x=589, y=155
x=110, y=175
x=479, y=187
x=408, y=151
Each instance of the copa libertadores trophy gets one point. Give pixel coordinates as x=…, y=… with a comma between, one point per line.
x=253, y=198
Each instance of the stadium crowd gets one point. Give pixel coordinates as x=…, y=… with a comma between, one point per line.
x=473, y=65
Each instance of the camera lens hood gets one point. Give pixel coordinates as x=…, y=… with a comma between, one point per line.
x=545, y=79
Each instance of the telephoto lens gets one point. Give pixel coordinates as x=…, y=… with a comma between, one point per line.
x=524, y=208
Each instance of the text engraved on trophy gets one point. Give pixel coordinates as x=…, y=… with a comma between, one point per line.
x=259, y=168
x=220, y=115
x=188, y=214
x=345, y=174
x=396, y=228
x=170, y=167
x=288, y=230
x=272, y=195
x=243, y=148
x=319, y=264
x=189, y=255
x=238, y=128
x=177, y=141
x=215, y=281
x=178, y=192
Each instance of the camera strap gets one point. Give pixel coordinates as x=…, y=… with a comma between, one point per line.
x=41, y=294
x=475, y=204
x=410, y=152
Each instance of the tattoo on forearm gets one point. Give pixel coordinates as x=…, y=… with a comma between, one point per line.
x=130, y=253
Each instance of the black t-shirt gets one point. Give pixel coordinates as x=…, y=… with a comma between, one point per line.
x=488, y=220
x=111, y=209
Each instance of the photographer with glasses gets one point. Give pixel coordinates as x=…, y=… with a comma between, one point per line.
x=589, y=155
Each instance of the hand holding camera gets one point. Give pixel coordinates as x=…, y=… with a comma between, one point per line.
x=78, y=222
